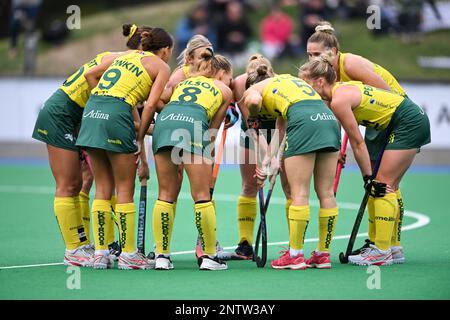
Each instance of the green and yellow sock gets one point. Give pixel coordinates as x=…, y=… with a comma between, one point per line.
x=83, y=198
x=68, y=216
x=205, y=220
x=396, y=235
x=101, y=223
x=126, y=218
x=385, y=211
x=246, y=218
x=298, y=223
x=327, y=225
x=371, y=219
x=163, y=218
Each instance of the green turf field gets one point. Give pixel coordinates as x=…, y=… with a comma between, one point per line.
x=30, y=237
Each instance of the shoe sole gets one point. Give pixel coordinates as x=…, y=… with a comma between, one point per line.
x=367, y=263
x=319, y=266
x=121, y=267
x=301, y=266
x=399, y=261
x=213, y=267
x=77, y=264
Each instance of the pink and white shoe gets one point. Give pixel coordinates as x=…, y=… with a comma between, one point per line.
x=103, y=260
x=288, y=262
x=372, y=256
x=80, y=257
x=319, y=261
x=135, y=261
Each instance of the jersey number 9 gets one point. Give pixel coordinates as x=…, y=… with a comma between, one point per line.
x=110, y=76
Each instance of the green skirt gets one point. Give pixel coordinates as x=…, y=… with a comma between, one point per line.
x=184, y=127
x=108, y=125
x=58, y=121
x=410, y=127
x=312, y=127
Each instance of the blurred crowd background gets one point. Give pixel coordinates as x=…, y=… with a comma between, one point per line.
x=33, y=31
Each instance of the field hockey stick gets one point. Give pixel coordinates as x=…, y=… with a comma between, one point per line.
x=339, y=167
x=142, y=217
x=217, y=161
x=266, y=206
x=343, y=258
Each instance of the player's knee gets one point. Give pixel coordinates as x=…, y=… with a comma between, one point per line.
x=249, y=189
x=69, y=188
x=202, y=195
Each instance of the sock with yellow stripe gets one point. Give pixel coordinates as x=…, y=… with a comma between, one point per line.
x=101, y=223
x=205, y=220
x=83, y=198
x=126, y=218
x=287, y=204
x=298, y=223
x=371, y=219
x=385, y=211
x=327, y=225
x=67, y=212
x=111, y=233
x=163, y=217
x=246, y=218
x=396, y=235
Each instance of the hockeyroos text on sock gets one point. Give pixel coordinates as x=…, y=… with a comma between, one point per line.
x=225, y=309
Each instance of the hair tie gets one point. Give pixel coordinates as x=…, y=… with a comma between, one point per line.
x=210, y=50
x=132, y=30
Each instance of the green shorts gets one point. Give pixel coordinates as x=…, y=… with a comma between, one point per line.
x=185, y=127
x=267, y=127
x=108, y=125
x=312, y=127
x=58, y=121
x=410, y=127
x=374, y=141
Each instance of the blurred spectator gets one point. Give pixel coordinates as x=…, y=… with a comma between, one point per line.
x=217, y=8
x=276, y=32
x=233, y=33
x=313, y=11
x=24, y=14
x=195, y=23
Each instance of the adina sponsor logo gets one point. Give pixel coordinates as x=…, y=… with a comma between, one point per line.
x=177, y=117
x=322, y=116
x=96, y=114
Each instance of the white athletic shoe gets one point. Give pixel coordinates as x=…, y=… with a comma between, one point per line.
x=134, y=261
x=398, y=255
x=103, y=260
x=207, y=263
x=372, y=256
x=222, y=254
x=163, y=262
x=80, y=257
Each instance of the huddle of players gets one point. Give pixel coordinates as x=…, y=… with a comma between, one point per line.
x=104, y=94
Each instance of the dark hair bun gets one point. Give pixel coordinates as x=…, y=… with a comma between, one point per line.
x=207, y=54
x=262, y=70
x=126, y=29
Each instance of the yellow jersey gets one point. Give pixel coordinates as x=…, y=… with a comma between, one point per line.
x=283, y=91
x=76, y=86
x=383, y=73
x=186, y=70
x=201, y=91
x=377, y=106
x=126, y=79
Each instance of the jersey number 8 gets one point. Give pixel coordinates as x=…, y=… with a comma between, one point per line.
x=189, y=94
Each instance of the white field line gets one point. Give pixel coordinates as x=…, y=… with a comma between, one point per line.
x=421, y=219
